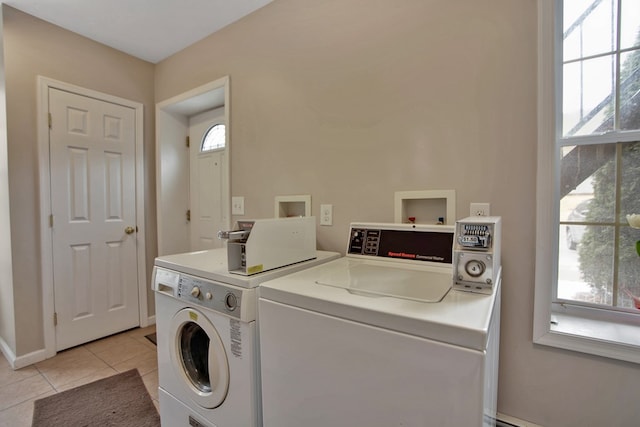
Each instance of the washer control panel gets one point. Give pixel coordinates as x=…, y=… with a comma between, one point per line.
x=230, y=300
x=209, y=294
x=402, y=241
x=476, y=254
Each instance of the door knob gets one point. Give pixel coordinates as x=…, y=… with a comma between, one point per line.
x=129, y=230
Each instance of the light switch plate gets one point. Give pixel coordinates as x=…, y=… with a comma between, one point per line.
x=237, y=205
x=326, y=214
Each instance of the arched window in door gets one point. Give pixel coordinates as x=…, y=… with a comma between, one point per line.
x=214, y=138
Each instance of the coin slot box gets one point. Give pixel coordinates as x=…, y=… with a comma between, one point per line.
x=476, y=254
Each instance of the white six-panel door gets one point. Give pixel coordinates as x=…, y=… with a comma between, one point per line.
x=92, y=155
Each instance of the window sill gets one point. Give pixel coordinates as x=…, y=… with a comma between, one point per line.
x=606, y=338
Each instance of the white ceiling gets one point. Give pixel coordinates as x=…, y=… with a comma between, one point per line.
x=148, y=29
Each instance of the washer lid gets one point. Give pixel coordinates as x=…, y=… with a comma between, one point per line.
x=460, y=318
x=375, y=280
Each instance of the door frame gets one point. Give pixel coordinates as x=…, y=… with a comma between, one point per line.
x=172, y=156
x=46, y=241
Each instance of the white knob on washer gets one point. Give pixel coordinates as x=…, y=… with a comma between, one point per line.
x=208, y=295
x=195, y=291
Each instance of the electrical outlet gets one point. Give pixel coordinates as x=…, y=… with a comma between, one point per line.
x=326, y=214
x=237, y=205
x=480, y=209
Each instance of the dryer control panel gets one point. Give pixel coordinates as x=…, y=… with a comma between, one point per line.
x=476, y=254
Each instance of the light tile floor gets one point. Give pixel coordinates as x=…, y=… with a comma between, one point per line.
x=74, y=367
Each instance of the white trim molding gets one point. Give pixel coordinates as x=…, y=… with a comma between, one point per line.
x=545, y=171
x=598, y=332
x=17, y=362
x=172, y=118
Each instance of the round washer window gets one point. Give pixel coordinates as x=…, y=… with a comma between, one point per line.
x=194, y=346
x=199, y=359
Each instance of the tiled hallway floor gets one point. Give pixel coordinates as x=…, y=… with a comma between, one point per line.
x=74, y=367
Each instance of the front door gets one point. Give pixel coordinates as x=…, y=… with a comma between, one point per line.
x=92, y=155
x=208, y=176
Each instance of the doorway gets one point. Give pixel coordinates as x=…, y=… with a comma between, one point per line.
x=92, y=210
x=174, y=190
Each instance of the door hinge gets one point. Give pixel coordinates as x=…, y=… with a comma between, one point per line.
x=188, y=142
x=51, y=221
x=55, y=319
x=50, y=119
x=189, y=215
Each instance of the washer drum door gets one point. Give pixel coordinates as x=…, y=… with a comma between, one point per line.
x=199, y=358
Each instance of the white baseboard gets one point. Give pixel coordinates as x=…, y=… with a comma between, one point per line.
x=508, y=420
x=8, y=353
x=30, y=358
x=39, y=355
x=21, y=361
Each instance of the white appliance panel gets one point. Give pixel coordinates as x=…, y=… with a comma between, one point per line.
x=175, y=413
x=344, y=373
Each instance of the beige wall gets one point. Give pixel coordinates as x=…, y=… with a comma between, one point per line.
x=34, y=47
x=349, y=102
x=352, y=101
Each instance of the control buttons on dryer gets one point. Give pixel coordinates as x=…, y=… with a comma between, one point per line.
x=195, y=291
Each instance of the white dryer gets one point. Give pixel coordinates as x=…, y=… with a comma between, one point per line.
x=208, y=362
x=379, y=338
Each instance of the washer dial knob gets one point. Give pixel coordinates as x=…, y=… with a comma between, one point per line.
x=230, y=301
x=475, y=268
x=195, y=291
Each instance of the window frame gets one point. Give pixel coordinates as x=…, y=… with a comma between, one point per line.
x=599, y=321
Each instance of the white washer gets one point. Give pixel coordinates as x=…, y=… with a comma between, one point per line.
x=379, y=338
x=208, y=362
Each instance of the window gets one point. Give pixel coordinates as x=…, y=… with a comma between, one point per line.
x=587, y=268
x=214, y=138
